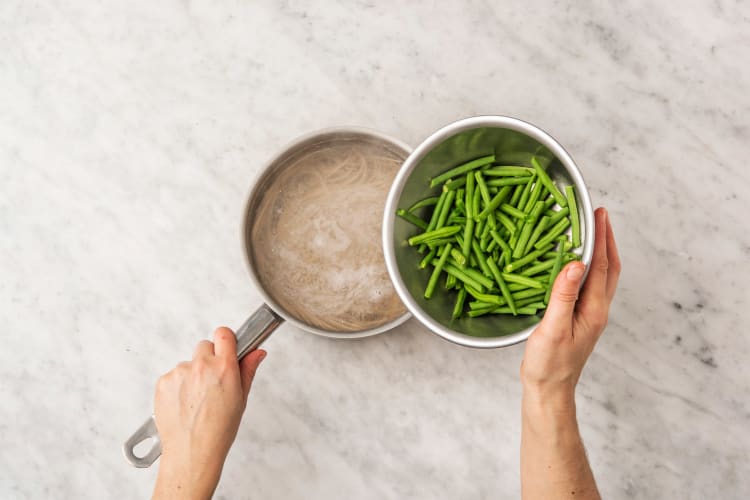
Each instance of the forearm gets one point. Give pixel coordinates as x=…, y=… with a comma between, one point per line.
x=181, y=480
x=553, y=459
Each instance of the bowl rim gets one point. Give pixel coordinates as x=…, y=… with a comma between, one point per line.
x=436, y=138
x=254, y=191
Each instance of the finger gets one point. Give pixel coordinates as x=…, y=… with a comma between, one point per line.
x=226, y=343
x=558, y=317
x=248, y=367
x=203, y=349
x=595, y=288
x=613, y=257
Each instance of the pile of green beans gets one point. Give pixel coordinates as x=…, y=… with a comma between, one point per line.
x=499, y=235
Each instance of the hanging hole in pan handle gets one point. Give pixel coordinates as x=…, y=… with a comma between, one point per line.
x=146, y=432
x=258, y=327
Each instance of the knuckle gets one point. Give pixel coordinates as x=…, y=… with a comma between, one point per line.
x=598, y=322
x=200, y=365
x=204, y=344
x=601, y=264
x=566, y=296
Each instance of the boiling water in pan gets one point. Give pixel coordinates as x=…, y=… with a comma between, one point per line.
x=316, y=238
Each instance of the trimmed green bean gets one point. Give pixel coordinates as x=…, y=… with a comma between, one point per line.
x=458, y=257
x=526, y=311
x=411, y=218
x=491, y=220
x=450, y=282
x=514, y=237
x=553, y=233
x=458, y=308
x=538, y=230
x=508, y=171
x=475, y=203
x=528, y=258
x=438, y=242
x=515, y=287
x=480, y=278
x=486, y=298
x=468, y=236
x=556, y=215
x=559, y=198
x=468, y=206
x=520, y=245
x=432, y=283
x=538, y=268
x=428, y=258
x=575, y=224
x=427, y=202
x=443, y=232
x=459, y=203
x=553, y=275
x=479, y=227
x=445, y=209
x=525, y=196
x=469, y=201
x=507, y=223
x=482, y=188
x=528, y=293
x=522, y=280
x=435, y=215
x=495, y=202
x=519, y=250
x=536, y=192
x=511, y=210
x=480, y=259
x=516, y=194
x=503, y=286
x=501, y=242
x=462, y=276
x=531, y=302
x=454, y=184
x=480, y=304
x=484, y=237
x=462, y=169
x=508, y=181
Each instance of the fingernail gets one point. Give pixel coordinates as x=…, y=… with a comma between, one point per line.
x=575, y=273
x=262, y=356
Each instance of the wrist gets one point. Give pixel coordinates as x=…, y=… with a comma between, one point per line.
x=549, y=412
x=181, y=476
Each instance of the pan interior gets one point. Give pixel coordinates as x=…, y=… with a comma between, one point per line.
x=314, y=232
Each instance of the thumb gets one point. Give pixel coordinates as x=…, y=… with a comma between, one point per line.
x=562, y=302
x=248, y=367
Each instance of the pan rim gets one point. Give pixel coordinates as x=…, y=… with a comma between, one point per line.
x=252, y=193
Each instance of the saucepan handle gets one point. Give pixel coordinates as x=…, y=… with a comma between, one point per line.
x=253, y=332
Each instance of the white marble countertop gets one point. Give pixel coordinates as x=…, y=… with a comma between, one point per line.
x=131, y=131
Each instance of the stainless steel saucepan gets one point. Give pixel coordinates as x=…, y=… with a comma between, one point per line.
x=311, y=240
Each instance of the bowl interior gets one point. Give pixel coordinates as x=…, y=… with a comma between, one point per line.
x=511, y=147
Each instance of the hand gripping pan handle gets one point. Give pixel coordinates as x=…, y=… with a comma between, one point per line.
x=250, y=336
